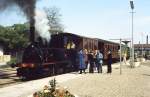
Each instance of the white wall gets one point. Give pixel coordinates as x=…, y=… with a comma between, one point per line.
x=1, y=51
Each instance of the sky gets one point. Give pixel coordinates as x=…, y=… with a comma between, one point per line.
x=104, y=19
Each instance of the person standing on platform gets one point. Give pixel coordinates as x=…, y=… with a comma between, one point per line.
x=82, y=65
x=99, y=61
x=109, y=62
x=91, y=61
x=86, y=57
x=94, y=56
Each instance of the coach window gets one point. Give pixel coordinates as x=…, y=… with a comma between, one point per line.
x=70, y=45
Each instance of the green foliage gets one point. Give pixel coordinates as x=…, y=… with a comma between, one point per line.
x=13, y=60
x=52, y=84
x=14, y=37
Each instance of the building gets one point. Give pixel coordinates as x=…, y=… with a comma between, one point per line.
x=142, y=49
x=1, y=50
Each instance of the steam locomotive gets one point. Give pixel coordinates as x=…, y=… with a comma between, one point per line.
x=60, y=54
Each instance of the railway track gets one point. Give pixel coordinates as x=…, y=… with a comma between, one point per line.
x=8, y=77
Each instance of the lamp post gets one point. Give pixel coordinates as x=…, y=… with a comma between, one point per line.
x=132, y=7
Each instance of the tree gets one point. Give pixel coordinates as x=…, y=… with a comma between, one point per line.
x=14, y=37
x=54, y=18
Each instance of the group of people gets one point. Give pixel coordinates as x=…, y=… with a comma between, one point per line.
x=94, y=59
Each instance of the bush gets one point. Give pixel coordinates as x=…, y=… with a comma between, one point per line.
x=52, y=91
x=12, y=62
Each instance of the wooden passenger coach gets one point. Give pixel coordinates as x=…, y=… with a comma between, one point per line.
x=62, y=40
x=104, y=46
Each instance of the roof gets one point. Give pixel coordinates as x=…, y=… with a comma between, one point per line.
x=106, y=41
x=141, y=45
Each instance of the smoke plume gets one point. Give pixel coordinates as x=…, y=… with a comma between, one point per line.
x=41, y=24
x=27, y=6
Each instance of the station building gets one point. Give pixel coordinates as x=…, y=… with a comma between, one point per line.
x=142, y=49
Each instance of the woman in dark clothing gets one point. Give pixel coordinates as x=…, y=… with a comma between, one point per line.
x=109, y=60
x=91, y=61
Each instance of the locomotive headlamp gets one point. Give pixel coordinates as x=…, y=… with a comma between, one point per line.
x=23, y=65
x=31, y=65
x=27, y=65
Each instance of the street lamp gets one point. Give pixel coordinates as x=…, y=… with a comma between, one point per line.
x=132, y=7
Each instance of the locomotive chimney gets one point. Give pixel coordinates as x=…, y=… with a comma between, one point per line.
x=32, y=30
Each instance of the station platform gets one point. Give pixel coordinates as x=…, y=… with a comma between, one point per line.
x=26, y=89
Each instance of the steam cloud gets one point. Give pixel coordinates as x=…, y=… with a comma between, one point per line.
x=28, y=7
x=41, y=24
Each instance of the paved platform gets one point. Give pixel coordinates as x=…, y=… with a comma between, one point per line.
x=27, y=88
x=133, y=82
